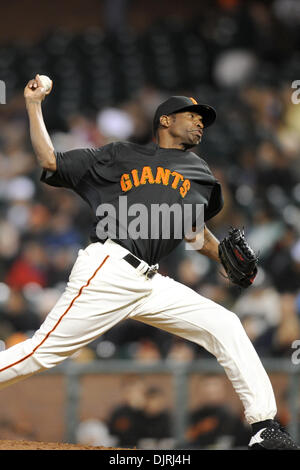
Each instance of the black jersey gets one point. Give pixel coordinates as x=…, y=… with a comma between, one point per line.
x=142, y=196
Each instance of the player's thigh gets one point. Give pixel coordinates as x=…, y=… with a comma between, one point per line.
x=178, y=309
x=89, y=307
x=74, y=322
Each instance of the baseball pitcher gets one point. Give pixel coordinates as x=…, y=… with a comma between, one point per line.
x=127, y=187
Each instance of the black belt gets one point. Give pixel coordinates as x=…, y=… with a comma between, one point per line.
x=135, y=262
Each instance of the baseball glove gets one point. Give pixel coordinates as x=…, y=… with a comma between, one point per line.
x=238, y=258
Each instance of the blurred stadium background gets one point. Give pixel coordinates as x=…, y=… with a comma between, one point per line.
x=112, y=63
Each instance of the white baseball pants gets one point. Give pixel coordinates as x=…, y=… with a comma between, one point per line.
x=104, y=289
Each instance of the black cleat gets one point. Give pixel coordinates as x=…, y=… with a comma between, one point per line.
x=273, y=437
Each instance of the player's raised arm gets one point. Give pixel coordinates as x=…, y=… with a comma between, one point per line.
x=34, y=94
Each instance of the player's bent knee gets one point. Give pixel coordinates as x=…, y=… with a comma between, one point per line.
x=230, y=321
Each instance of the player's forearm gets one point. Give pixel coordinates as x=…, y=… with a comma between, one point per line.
x=210, y=246
x=41, y=142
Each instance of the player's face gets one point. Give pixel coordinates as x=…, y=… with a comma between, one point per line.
x=187, y=127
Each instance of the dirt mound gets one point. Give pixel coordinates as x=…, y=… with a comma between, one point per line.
x=28, y=445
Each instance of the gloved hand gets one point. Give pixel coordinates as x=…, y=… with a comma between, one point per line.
x=238, y=258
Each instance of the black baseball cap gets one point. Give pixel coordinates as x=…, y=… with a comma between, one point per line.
x=177, y=104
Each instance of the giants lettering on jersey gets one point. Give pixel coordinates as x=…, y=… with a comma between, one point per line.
x=163, y=176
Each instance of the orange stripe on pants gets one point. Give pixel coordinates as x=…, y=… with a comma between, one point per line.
x=59, y=320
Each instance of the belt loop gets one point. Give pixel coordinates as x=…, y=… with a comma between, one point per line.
x=143, y=267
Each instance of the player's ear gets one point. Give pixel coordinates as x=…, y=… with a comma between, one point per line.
x=165, y=121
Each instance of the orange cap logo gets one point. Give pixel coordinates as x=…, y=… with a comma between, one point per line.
x=193, y=100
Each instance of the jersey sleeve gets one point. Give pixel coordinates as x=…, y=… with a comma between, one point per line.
x=73, y=165
x=215, y=202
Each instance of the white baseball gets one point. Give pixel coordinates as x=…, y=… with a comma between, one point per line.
x=46, y=82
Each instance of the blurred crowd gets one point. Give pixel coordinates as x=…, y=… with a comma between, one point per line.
x=144, y=419
x=240, y=57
